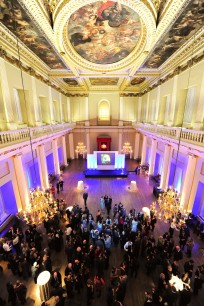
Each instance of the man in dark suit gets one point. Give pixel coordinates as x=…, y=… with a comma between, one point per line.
x=85, y=197
x=56, y=284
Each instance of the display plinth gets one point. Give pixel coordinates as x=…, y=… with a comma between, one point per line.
x=43, y=282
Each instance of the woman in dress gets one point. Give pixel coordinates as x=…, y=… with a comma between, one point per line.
x=102, y=204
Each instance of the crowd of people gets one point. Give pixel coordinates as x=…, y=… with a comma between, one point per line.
x=88, y=242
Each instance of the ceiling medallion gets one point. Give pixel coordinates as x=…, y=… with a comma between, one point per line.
x=104, y=32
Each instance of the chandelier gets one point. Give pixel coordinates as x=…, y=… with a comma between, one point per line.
x=127, y=148
x=41, y=207
x=169, y=204
x=80, y=148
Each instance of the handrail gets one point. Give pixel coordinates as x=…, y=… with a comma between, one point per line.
x=191, y=136
x=14, y=136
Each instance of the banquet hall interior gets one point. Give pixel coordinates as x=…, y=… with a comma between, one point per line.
x=117, y=81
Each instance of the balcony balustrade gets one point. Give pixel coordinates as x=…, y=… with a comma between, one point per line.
x=17, y=136
x=186, y=135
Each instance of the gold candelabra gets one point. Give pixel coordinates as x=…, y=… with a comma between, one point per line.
x=127, y=148
x=169, y=204
x=41, y=207
x=80, y=148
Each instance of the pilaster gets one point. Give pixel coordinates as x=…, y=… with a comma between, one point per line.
x=165, y=168
x=21, y=181
x=152, y=156
x=137, y=145
x=55, y=156
x=119, y=141
x=144, y=149
x=64, y=149
x=71, y=145
x=198, y=124
x=43, y=166
x=6, y=96
x=36, y=106
x=188, y=182
x=173, y=101
x=88, y=141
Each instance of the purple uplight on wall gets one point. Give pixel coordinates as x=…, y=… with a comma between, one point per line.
x=157, y=161
x=60, y=155
x=8, y=198
x=199, y=200
x=50, y=163
x=172, y=174
x=34, y=175
x=147, y=159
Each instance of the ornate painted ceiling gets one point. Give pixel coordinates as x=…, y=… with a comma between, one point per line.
x=87, y=45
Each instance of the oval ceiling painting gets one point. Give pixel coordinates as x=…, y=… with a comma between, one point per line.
x=104, y=32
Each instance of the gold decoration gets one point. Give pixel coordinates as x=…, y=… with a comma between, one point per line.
x=127, y=148
x=41, y=207
x=169, y=204
x=80, y=148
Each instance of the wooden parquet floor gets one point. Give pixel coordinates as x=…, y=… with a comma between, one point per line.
x=118, y=189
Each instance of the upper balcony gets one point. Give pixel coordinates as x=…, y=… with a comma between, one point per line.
x=179, y=135
x=13, y=138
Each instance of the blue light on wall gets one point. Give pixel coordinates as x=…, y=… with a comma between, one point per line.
x=34, y=175
x=147, y=159
x=60, y=155
x=157, y=161
x=50, y=163
x=198, y=202
x=178, y=179
x=8, y=197
x=172, y=174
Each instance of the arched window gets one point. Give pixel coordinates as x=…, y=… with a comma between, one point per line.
x=104, y=110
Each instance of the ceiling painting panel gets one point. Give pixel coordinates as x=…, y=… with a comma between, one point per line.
x=70, y=81
x=191, y=20
x=137, y=81
x=17, y=20
x=104, y=81
x=104, y=32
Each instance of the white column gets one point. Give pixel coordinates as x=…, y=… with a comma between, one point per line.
x=120, y=141
x=55, y=156
x=152, y=156
x=173, y=101
x=88, y=141
x=121, y=109
x=165, y=168
x=36, y=106
x=64, y=149
x=137, y=145
x=15, y=183
x=43, y=166
x=21, y=181
x=6, y=97
x=144, y=149
x=188, y=181
x=71, y=145
x=199, y=108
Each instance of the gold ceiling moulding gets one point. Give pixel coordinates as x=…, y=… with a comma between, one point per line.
x=130, y=94
x=77, y=95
